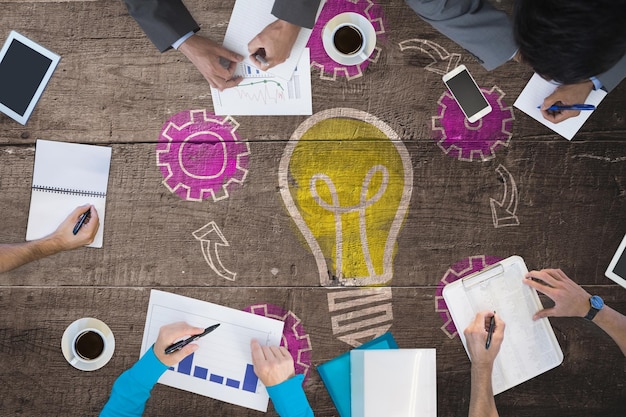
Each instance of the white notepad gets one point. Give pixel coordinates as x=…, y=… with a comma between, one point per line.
x=248, y=19
x=65, y=176
x=393, y=382
x=537, y=90
x=530, y=348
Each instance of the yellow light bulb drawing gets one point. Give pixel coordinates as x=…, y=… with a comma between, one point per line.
x=346, y=180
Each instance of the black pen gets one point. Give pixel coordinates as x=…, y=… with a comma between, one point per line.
x=492, y=325
x=179, y=345
x=81, y=221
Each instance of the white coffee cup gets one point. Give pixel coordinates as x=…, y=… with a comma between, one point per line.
x=88, y=346
x=349, y=41
x=349, y=38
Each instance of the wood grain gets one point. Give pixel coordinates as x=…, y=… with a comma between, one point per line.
x=113, y=88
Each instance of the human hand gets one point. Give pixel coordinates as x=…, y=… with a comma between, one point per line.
x=567, y=94
x=64, y=237
x=274, y=43
x=570, y=299
x=205, y=55
x=476, y=338
x=170, y=334
x=272, y=364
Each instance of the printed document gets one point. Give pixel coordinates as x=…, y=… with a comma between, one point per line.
x=222, y=367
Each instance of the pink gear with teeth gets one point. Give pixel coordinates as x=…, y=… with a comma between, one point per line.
x=295, y=339
x=473, y=141
x=201, y=155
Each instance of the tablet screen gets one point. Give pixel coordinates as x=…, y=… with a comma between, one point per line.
x=620, y=266
x=25, y=69
x=617, y=268
x=21, y=71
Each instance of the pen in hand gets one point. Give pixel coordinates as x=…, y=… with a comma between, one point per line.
x=260, y=56
x=81, y=221
x=561, y=107
x=492, y=325
x=181, y=344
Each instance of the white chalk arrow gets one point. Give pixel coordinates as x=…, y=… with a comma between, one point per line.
x=505, y=216
x=443, y=61
x=211, y=237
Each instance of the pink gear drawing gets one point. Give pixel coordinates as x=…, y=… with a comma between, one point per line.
x=295, y=339
x=329, y=69
x=201, y=155
x=478, y=140
x=457, y=271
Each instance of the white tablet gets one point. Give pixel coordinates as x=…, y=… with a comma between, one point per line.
x=617, y=268
x=25, y=68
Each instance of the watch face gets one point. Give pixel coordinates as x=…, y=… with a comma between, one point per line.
x=596, y=302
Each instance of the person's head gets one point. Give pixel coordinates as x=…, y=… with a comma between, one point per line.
x=570, y=40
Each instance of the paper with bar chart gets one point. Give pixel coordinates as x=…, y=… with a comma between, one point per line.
x=222, y=367
x=262, y=94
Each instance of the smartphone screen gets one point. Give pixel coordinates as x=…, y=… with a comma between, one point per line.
x=467, y=93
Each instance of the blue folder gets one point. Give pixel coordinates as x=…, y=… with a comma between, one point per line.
x=336, y=373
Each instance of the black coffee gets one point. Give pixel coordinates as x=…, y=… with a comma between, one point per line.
x=348, y=40
x=89, y=345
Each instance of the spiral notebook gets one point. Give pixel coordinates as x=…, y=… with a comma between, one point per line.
x=67, y=175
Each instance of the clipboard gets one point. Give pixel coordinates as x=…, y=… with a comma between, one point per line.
x=530, y=348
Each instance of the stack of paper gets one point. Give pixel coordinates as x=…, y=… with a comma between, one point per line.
x=336, y=373
x=394, y=383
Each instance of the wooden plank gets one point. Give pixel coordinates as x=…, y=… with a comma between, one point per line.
x=31, y=356
x=569, y=193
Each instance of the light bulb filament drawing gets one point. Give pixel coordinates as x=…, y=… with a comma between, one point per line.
x=337, y=210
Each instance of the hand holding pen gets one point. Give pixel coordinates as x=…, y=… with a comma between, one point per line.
x=484, y=337
x=69, y=235
x=563, y=102
x=169, y=334
x=181, y=344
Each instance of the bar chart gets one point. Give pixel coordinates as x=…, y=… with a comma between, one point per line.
x=247, y=383
x=221, y=368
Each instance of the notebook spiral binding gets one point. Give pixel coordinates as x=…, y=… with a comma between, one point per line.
x=68, y=191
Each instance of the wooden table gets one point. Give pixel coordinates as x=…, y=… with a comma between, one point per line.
x=113, y=88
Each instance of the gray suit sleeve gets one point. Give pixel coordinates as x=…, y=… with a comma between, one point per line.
x=163, y=21
x=614, y=76
x=475, y=25
x=298, y=12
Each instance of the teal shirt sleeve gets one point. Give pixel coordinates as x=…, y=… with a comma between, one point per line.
x=132, y=389
x=289, y=398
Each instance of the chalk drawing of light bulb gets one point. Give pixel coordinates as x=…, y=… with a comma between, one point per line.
x=346, y=180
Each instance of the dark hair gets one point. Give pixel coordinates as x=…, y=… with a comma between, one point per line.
x=570, y=40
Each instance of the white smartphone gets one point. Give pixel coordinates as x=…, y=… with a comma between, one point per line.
x=466, y=92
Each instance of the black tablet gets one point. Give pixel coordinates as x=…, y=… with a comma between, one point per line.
x=25, y=68
x=617, y=268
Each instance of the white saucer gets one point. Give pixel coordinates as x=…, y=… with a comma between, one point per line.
x=77, y=327
x=357, y=20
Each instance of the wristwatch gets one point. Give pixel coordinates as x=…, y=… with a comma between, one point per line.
x=596, y=303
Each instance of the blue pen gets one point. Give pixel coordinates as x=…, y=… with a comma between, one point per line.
x=556, y=107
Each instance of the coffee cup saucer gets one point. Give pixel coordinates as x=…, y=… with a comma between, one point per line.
x=355, y=19
x=76, y=328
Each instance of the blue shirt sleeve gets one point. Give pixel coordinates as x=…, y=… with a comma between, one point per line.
x=132, y=389
x=289, y=398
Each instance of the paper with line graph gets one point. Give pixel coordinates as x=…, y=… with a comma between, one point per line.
x=222, y=367
x=262, y=94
